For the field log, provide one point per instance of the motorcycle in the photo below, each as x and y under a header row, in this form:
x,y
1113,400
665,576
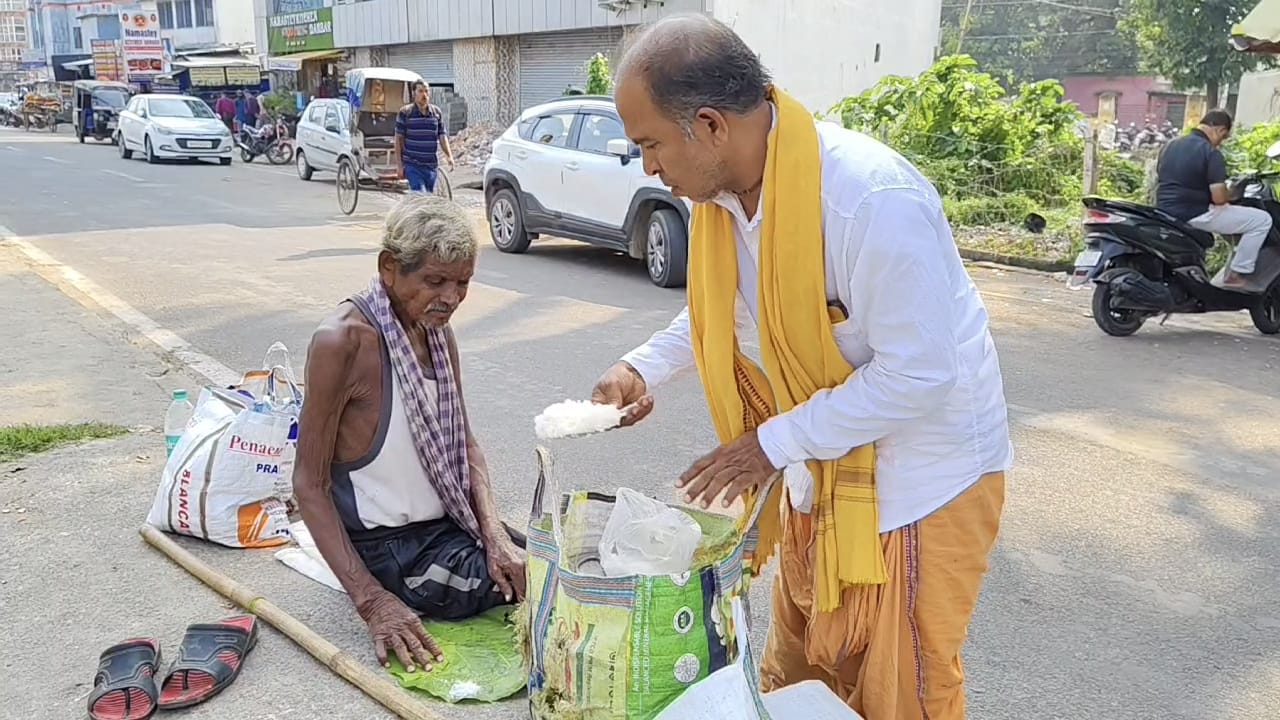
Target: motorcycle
x,y
1144,262
269,140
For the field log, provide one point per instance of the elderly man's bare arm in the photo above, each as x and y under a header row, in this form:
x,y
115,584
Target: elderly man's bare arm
x,y
506,562
331,361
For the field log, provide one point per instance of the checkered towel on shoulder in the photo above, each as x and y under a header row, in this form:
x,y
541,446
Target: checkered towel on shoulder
x,y
440,436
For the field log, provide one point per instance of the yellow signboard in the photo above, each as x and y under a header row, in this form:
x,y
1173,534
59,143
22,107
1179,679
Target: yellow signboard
x,y
207,76
243,75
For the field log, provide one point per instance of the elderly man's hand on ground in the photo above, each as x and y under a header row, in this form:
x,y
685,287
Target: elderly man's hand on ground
x,y
622,387
393,625
506,566
733,468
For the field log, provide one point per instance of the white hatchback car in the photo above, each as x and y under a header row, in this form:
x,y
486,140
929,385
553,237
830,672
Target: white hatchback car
x,y
163,126
323,136
566,168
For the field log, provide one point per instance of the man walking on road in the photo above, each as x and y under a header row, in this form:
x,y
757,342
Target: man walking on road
x,y
1192,177
420,136
880,401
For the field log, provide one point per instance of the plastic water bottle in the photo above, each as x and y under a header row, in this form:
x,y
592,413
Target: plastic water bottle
x,y
176,419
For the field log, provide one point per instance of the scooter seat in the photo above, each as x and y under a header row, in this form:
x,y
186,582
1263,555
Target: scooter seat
x,y
1206,240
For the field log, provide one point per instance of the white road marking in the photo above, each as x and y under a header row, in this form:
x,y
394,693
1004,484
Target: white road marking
x,y
126,176
50,158
11,147
89,293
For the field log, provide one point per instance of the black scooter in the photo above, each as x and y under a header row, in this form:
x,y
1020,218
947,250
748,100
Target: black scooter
x,y
1144,262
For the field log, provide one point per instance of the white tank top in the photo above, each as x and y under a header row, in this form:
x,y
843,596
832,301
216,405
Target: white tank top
x,y
393,489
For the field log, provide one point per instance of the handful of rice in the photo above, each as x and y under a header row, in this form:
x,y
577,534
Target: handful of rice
x,y
573,418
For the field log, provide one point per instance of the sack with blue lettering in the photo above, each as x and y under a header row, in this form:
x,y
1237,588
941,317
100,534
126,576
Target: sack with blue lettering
x,y
222,481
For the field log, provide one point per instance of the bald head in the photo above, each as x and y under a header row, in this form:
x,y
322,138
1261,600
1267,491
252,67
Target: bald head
x,y
692,61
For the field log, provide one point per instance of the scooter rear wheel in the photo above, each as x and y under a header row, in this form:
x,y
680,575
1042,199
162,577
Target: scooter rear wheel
x,y
1112,321
1266,314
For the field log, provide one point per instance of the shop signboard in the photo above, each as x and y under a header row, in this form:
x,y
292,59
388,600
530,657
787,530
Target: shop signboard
x,y
298,28
246,75
144,57
207,76
107,65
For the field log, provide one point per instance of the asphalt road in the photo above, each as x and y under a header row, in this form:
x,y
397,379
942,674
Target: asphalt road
x,y
1136,574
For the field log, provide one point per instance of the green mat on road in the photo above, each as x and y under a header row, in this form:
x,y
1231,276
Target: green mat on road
x,y
480,660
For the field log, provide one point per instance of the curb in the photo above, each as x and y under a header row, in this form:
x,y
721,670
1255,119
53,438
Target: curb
x,y
1030,263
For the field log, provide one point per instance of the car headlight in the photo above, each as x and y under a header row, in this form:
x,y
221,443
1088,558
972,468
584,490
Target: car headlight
x,y
162,130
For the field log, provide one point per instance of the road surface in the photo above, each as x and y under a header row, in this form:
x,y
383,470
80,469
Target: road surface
x,y
1135,577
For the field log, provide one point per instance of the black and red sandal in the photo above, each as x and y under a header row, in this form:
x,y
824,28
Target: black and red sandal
x,y
209,660
125,686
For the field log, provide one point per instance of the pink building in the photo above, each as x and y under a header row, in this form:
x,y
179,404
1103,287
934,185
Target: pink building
x,y
1137,99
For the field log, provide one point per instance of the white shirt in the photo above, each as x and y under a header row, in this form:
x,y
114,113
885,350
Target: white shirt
x,y
927,389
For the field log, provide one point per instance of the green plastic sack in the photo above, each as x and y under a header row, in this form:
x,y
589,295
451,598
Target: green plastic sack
x,y
615,648
480,660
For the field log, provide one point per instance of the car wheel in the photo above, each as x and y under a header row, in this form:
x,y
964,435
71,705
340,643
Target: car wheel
x,y
666,248
125,152
224,161
506,225
150,151
304,170
1266,314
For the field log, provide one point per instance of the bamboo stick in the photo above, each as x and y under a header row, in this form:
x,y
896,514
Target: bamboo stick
x,y
375,685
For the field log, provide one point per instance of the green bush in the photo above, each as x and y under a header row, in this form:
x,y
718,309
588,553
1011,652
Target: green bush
x,y
1247,149
971,137
599,75
997,210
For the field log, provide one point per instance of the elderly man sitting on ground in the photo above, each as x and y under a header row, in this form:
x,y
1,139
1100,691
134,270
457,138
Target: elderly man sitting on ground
x,y
389,478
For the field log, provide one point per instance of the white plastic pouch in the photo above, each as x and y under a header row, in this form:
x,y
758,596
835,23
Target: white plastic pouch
x,y
646,537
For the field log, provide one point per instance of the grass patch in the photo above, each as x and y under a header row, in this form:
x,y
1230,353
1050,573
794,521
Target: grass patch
x,y
19,440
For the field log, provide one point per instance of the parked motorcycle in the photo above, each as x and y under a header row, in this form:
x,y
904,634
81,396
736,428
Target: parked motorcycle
x,y
269,140
1144,262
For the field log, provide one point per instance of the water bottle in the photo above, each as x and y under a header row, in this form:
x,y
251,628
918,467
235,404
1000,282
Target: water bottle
x,y
176,419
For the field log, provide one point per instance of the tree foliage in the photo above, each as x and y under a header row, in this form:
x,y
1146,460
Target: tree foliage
x,y
599,75
1025,40
1187,41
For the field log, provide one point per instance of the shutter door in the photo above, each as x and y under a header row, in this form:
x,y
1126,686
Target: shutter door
x,y
550,62
432,60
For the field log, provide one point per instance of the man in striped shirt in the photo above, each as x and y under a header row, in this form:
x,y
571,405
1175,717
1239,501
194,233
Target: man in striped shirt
x,y
420,136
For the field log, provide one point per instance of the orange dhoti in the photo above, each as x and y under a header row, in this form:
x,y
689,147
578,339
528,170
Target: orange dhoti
x,y
891,651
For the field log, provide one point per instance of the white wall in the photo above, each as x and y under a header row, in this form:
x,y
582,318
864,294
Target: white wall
x,y
234,21
821,51
1259,99
191,37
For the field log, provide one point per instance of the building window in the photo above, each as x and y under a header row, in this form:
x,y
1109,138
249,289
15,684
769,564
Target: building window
x,y
77,41
165,9
204,13
13,5
182,14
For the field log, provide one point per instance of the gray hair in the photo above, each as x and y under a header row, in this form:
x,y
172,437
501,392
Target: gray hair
x,y
691,61
426,227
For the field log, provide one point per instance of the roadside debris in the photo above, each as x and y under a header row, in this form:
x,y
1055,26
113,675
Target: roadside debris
x,y
471,146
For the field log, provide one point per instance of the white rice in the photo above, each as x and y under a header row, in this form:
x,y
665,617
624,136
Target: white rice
x,y
575,417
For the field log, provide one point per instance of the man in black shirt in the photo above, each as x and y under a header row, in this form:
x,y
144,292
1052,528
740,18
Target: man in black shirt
x,y
1192,177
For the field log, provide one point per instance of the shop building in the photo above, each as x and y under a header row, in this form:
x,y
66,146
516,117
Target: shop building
x,y
494,58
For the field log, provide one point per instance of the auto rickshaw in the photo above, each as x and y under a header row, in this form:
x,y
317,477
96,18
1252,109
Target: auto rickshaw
x,y
95,107
367,155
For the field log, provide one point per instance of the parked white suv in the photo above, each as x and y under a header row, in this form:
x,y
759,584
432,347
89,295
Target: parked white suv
x,y
566,168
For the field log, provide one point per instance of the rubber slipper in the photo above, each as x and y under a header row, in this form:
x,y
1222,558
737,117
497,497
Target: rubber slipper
x,y
125,686
210,659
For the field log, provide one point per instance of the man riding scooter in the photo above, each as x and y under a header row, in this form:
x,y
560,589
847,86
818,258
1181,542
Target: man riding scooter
x,y
1192,176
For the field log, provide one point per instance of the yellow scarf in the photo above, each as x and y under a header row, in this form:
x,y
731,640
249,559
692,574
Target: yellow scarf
x,y
798,347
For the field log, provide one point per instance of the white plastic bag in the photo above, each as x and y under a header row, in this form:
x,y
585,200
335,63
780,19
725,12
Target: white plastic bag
x,y
220,483
646,537
732,692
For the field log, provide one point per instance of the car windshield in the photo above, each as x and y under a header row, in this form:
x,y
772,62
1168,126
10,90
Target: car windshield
x,y
113,98
179,108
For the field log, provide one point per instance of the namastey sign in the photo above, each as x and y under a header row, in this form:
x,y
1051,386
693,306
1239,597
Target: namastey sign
x,y
300,31
143,48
